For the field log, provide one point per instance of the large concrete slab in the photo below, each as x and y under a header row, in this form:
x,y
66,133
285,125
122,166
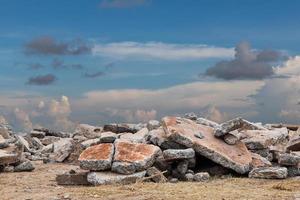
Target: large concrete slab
x,y
132,157
97,158
185,131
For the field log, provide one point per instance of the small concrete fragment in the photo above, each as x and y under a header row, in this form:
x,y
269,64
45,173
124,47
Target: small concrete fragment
x,y
191,116
37,134
89,143
25,166
287,159
259,161
201,176
88,131
207,122
294,144
189,177
138,137
108,137
133,156
78,177
97,158
7,158
49,140
262,139
62,149
153,124
104,178
156,175
24,143
176,154
118,128
269,173
234,124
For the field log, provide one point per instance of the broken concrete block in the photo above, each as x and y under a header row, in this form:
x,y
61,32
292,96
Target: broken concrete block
x,y
25,166
189,177
159,138
138,137
234,124
3,142
156,175
108,137
49,140
262,139
201,176
7,158
191,116
259,161
182,167
269,173
183,131
118,128
231,139
102,178
62,149
153,124
175,154
88,131
293,171
89,143
47,149
288,159
97,158
37,134
293,144
135,156
78,177
207,122
24,143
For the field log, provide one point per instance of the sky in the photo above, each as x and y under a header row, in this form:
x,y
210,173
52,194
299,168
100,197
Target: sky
x,y
102,61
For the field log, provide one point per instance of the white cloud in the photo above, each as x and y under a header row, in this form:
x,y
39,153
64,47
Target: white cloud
x,y
290,68
23,121
141,105
159,50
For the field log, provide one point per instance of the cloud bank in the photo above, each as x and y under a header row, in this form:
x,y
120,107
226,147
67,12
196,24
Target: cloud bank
x,y
49,46
162,51
247,64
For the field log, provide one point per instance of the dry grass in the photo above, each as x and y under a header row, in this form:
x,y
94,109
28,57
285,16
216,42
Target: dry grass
x,y
40,184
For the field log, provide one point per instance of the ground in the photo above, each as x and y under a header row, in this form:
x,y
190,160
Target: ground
x,y
40,184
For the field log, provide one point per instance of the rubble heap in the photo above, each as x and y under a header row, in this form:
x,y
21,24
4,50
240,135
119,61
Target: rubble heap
x,y
185,149
174,149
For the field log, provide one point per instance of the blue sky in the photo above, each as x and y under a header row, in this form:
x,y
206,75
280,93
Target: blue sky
x,y
56,56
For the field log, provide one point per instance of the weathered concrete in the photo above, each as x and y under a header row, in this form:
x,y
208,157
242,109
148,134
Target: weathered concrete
x,y
102,178
108,137
132,157
183,131
62,149
78,177
97,158
176,154
269,173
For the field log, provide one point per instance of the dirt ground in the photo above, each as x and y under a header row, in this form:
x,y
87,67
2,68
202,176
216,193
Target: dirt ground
x,y
40,184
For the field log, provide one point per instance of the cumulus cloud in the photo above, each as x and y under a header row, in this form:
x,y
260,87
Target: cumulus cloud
x,y
132,115
247,64
48,113
42,79
22,120
122,3
2,120
49,46
214,114
133,104
159,50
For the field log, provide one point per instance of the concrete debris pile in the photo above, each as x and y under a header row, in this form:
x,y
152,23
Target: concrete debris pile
x,y
12,158
184,149
174,149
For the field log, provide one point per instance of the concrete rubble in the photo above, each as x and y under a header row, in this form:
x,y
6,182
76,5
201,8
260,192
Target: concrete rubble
x,y
188,148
